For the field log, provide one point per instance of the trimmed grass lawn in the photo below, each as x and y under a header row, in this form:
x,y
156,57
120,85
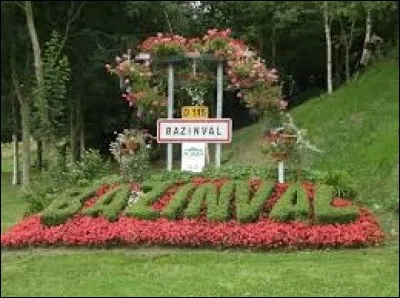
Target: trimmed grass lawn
x,y
369,272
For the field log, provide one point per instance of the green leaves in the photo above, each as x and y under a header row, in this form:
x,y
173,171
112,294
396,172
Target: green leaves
x,y
50,98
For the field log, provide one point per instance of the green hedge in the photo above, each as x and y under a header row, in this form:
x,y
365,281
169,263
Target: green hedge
x,y
218,209
65,207
142,208
111,203
327,214
178,203
248,210
205,192
292,205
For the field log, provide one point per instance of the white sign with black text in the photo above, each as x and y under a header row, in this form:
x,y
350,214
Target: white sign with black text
x,y
193,157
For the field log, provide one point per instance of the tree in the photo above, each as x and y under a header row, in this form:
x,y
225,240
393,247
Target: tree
x,y
348,13
371,9
327,27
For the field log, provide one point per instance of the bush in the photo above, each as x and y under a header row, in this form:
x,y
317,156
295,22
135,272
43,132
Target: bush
x,y
136,167
204,193
65,207
248,210
292,205
178,203
142,209
342,182
325,213
173,175
55,181
218,209
110,204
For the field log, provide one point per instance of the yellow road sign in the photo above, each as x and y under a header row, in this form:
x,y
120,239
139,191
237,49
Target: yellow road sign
x,y
194,112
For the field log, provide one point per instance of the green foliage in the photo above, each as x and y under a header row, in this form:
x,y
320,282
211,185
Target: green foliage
x,y
292,205
110,204
218,208
88,172
178,203
66,206
239,172
325,213
91,167
248,209
204,193
136,167
342,182
174,175
50,96
142,208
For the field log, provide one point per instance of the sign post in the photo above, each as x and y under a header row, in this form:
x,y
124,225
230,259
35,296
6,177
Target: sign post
x,y
193,156
280,172
170,111
219,110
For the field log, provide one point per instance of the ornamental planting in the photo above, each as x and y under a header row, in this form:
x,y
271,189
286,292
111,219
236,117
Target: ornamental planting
x,y
200,213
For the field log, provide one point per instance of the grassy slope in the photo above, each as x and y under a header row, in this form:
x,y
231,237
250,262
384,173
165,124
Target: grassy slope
x,y
367,272
357,129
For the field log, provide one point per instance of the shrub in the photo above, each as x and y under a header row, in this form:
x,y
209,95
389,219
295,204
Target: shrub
x,y
327,214
218,209
342,182
136,167
65,207
110,204
248,210
204,193
292,205
55,181
178,203
142,209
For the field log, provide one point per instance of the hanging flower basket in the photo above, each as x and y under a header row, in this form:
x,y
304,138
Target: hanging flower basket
x,y
279,156
124,151
287,138
132,145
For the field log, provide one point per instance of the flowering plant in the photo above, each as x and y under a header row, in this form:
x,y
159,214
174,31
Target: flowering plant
x,y
164,45
196,93
131,150
244,69
129,142
287,139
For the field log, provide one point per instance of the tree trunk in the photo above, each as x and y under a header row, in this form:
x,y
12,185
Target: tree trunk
x,y
81,127
26,143
39,154
15,179
25,123
273,46
328,47
338,77
15,159
73,130
35,42
368,28
347,62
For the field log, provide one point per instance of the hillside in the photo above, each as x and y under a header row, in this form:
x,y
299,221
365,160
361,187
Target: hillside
x,y
356,127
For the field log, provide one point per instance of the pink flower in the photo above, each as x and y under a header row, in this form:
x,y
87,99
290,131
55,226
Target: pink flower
x,y
283,104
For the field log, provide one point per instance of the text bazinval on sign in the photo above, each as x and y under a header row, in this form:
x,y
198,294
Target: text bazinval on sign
x,y
194,130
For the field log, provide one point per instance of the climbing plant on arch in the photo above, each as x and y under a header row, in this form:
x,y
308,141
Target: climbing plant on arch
x,y
144,84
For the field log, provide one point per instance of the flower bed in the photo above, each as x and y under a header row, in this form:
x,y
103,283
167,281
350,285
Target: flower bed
x,y
264,233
